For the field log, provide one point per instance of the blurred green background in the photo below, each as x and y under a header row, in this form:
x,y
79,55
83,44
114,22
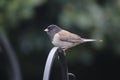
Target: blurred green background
x,y
23,22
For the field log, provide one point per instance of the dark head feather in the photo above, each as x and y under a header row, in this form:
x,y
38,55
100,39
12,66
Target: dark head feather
x,y
52,30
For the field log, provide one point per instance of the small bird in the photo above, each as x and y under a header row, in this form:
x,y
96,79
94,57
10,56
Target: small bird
x,y
63,38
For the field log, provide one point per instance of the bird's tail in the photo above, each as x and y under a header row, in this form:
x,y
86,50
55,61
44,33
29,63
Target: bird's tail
x,y
91,40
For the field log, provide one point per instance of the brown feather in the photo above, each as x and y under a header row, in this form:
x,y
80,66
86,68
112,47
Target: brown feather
x,y
69,37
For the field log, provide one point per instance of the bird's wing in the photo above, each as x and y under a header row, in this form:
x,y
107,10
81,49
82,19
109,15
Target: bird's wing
x,y
69,37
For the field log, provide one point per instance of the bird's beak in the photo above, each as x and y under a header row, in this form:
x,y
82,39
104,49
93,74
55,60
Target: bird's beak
x,y
46,30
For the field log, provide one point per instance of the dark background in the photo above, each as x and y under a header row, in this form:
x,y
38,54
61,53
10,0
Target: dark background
x,y
23,22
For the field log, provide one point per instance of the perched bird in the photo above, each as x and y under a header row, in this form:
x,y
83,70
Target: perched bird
x,y
64,39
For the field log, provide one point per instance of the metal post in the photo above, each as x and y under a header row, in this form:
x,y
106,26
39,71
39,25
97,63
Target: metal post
x,y
56,52
13,62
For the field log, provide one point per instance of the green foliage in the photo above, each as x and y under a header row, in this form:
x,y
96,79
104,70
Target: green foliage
x,y
14,10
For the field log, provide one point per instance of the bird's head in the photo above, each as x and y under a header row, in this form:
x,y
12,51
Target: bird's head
x,y
52,30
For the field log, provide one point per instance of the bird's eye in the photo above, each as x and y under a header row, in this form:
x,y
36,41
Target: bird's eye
x,y
50,28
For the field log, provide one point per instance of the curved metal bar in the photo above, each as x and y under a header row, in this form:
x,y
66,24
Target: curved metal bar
x,y
15,70
49,63
57,52
72,75
63,64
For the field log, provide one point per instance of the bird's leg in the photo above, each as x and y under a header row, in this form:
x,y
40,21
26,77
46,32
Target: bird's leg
x,y
61,51
64,49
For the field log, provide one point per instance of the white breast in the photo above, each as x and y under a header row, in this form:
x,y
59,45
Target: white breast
x,y
57,42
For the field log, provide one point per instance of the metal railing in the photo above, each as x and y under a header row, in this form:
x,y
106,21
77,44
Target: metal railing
x,y
57,52
15,73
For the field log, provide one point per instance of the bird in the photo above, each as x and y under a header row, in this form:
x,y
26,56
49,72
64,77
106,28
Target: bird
x,y
64,39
